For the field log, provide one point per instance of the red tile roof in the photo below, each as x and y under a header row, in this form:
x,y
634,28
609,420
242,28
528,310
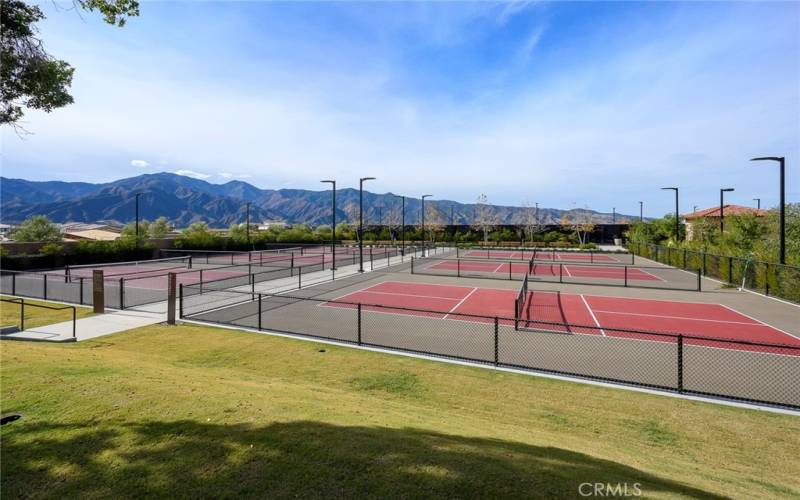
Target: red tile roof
x,y
729,210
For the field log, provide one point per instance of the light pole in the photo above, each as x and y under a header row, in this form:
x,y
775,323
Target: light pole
x,y
138,195
614,215
247,222
641,211
694,209
758,203
722,208
403,226
333,228
677,215
361,222
424,252
782,161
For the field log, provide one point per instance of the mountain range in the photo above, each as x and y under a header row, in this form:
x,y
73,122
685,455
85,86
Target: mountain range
x,y
183,200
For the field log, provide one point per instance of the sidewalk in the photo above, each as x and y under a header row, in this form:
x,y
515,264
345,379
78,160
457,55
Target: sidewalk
x,y
89,328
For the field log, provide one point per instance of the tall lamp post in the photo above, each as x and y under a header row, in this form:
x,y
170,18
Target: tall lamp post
x,y
677,214
782,162
333,228
641,211
424,250
403,225
247,222
614,215
361,222
758,203
722,208
138,195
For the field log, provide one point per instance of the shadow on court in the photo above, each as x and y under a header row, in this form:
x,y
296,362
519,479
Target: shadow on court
x,y
298,459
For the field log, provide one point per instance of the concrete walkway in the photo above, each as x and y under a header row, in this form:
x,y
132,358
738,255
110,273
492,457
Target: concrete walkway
x,y
89,328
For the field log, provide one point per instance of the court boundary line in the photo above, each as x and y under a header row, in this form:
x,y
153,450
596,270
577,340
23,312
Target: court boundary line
x,y
593,316
760,322
474,289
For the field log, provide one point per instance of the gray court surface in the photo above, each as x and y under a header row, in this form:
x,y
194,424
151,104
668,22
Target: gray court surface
x,y
767,375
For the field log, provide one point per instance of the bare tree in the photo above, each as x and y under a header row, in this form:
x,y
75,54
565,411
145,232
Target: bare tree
x,y
530,219
485,217
434,221
393,218
583,224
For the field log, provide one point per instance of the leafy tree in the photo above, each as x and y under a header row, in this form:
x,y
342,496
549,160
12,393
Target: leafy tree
x,y
37,229
29,76
198,235
159,228
129,230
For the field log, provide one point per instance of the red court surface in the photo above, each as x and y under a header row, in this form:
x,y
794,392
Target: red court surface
x,y
566,256
594,314
569,270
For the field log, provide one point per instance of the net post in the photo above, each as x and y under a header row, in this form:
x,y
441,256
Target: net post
x,y
412,264
190,264
458,267
516,314
680,363
626,275
561,272
699,280
359,323
591,256
509,270
496,341
291,259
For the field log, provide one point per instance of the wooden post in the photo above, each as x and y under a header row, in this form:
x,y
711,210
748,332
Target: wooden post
x,y
98,292
171,293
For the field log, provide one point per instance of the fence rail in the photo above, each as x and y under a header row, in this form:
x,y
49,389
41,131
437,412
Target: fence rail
x,y
746,371
769,278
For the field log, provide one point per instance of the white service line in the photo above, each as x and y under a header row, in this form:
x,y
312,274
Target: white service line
x,y
460,302
684,317
592,313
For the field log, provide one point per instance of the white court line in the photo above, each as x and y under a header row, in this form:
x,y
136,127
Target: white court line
x,y
593,316
651,274
566,268
497,269
761,322
407,295
683,317
460,302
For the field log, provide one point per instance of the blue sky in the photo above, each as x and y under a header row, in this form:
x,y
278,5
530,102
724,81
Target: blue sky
x,y
565,104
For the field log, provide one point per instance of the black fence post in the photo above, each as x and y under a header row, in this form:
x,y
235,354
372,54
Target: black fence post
x,y
359,323
80,290
704,263
766,278
412,264
45,285
180,300
22,314
509,269
74,320
684,258
300,277
591,256
121,294
699,280
14,284
626,275
458,267
496,341
560,272
680,363
730,269
252,287
259,311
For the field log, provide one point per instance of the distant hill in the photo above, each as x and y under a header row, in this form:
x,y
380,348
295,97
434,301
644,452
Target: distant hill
x,y
184,200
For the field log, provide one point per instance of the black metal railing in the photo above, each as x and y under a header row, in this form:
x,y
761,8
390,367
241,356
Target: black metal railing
x,y
23,305
769,278
690,364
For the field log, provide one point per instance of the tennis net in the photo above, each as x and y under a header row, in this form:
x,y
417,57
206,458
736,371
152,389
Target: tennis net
x,y
519,303
126,268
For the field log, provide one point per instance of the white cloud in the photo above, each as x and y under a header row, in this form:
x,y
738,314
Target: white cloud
x,y
193,174
228,175
139,163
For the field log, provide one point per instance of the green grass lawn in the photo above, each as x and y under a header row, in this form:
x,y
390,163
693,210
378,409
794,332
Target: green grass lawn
x,y
202,412
37,316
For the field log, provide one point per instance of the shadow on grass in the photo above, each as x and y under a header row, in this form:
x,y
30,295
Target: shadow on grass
x,y
297,459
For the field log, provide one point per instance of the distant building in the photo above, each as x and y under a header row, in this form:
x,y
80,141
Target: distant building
x,y
76,231
273,224
5,231
712,214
